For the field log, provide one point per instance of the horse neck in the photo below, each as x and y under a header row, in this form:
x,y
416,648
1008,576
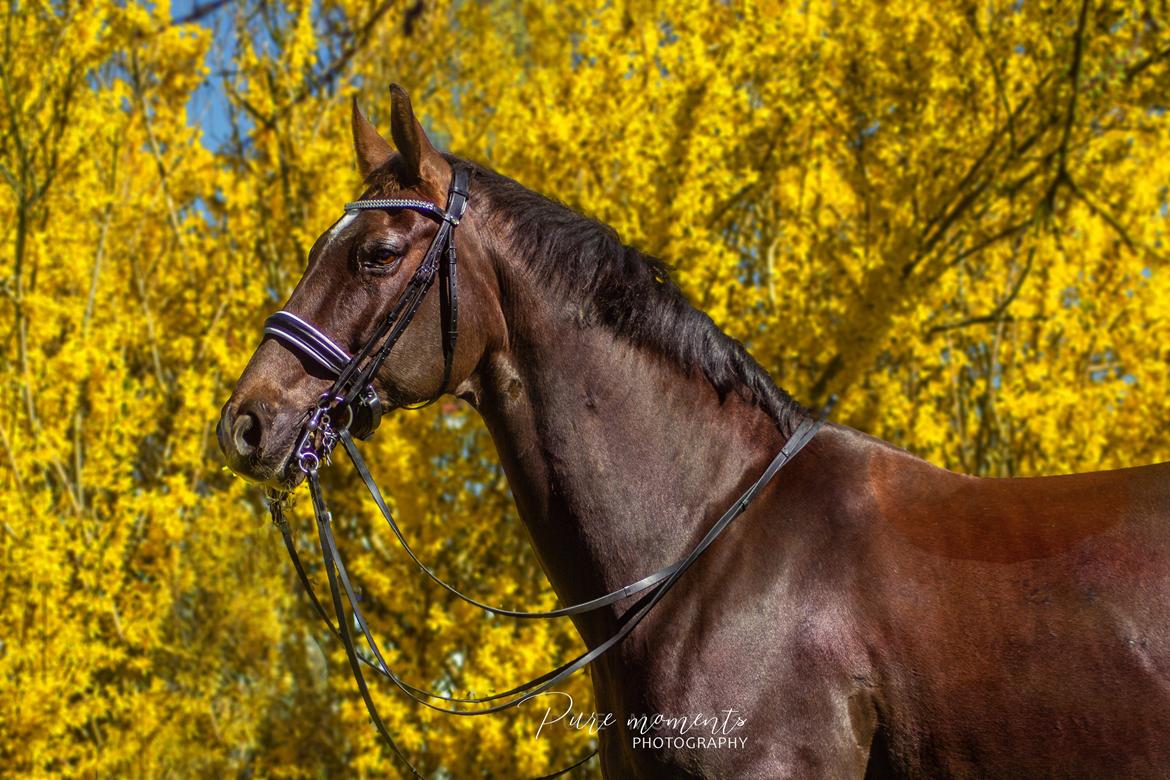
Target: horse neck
x,y
617,457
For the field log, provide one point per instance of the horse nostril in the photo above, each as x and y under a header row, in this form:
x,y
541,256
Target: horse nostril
x,y
247,432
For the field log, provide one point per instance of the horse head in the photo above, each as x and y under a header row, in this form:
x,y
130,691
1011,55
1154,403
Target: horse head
x,y
358,271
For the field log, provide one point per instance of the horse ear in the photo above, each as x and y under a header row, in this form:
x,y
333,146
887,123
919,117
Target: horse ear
x,y
422,160
372,149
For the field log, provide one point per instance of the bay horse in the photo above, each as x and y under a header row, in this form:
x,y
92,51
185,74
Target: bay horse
x,y
870,615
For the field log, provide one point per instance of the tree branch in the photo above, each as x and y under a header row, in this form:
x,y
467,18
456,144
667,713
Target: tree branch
x,y
199,11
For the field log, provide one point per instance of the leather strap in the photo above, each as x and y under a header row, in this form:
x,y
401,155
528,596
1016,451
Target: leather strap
x,y
339,581
323,520
290,545
448,313
363,471
330,558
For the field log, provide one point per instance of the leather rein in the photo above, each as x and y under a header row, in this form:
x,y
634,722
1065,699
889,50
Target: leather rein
x,y
351,409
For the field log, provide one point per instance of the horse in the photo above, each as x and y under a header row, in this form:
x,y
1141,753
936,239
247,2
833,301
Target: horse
x,y
869,615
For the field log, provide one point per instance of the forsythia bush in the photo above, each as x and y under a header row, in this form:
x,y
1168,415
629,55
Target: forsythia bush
x,y
954,215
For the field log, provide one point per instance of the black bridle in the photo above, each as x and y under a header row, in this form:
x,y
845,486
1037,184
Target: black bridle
x,y
352,392
352,397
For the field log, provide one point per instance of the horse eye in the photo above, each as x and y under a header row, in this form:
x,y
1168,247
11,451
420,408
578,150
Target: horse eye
x,y
379,254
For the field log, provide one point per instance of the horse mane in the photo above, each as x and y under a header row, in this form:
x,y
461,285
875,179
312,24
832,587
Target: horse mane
x,y
622,288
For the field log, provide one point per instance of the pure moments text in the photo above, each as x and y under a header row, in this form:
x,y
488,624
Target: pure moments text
x,y
653,731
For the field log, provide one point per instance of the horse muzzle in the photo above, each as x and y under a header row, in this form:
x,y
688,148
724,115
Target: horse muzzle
x,y
257,441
